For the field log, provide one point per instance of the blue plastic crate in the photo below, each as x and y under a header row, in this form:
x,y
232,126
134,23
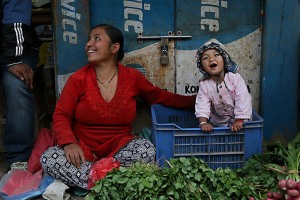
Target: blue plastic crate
x,y
176,134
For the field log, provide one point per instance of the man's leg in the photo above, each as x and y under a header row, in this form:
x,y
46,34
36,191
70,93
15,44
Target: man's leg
x,y
19,113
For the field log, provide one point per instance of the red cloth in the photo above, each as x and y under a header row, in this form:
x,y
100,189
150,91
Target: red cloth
x,y
81,113
44,140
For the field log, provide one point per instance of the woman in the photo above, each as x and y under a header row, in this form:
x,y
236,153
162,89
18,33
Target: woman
x,y
94,114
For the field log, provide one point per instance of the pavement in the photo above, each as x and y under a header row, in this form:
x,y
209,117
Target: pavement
x,y
3,165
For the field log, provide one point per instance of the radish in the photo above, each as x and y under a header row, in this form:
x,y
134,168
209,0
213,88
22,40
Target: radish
x,y
282,184
270,194
298,186
288,197
291,155
291,184
251,198
296,198
292,192
277,195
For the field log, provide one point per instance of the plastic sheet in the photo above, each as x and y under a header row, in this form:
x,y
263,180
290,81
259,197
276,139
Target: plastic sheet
x,y
45,182
21,181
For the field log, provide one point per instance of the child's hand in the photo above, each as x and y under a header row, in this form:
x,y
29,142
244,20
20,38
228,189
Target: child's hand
x,y
236,126
206,127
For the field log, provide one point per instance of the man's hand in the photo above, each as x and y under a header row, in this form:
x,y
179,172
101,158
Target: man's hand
x,y
23,72
74,154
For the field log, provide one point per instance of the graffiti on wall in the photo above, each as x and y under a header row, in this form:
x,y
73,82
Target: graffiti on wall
x,y
211,6
133,14
68,22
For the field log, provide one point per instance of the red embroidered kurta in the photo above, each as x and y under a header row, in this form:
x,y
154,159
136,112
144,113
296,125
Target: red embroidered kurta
x,y
81,114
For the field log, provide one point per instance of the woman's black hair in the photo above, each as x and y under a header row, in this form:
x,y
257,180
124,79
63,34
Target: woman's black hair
x,y
115,35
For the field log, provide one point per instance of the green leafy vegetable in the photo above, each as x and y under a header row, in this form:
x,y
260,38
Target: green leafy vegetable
x,y
185,178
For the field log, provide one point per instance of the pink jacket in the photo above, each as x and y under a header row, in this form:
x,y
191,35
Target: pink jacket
x,y
231,102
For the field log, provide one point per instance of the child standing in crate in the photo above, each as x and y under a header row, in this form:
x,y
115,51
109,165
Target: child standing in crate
x,y
223,98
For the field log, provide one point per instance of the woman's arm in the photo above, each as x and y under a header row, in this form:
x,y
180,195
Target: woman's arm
x,y
64,112
155,95
62,122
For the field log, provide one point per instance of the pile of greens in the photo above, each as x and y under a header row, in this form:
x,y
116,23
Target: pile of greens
x,y
185,178
192,178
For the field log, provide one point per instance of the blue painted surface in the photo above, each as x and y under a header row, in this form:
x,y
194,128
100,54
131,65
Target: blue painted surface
x,y
236,19
233,20
280,68
150,17
71,27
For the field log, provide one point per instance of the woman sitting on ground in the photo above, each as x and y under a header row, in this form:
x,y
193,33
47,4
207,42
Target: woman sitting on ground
x,y
94,115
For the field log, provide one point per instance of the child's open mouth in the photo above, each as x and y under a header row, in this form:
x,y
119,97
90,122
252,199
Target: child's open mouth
x,y
212,65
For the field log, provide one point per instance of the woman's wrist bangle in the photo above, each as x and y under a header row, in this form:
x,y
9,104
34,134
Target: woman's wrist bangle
x,y
239,120
201,123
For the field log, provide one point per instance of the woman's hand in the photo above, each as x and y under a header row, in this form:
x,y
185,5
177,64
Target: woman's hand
x,y
74,154
236,126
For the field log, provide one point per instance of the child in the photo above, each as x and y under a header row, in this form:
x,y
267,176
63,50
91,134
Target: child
x,y
223,98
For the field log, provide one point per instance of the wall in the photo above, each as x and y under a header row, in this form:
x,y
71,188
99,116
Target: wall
x,y
272,78
280,69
